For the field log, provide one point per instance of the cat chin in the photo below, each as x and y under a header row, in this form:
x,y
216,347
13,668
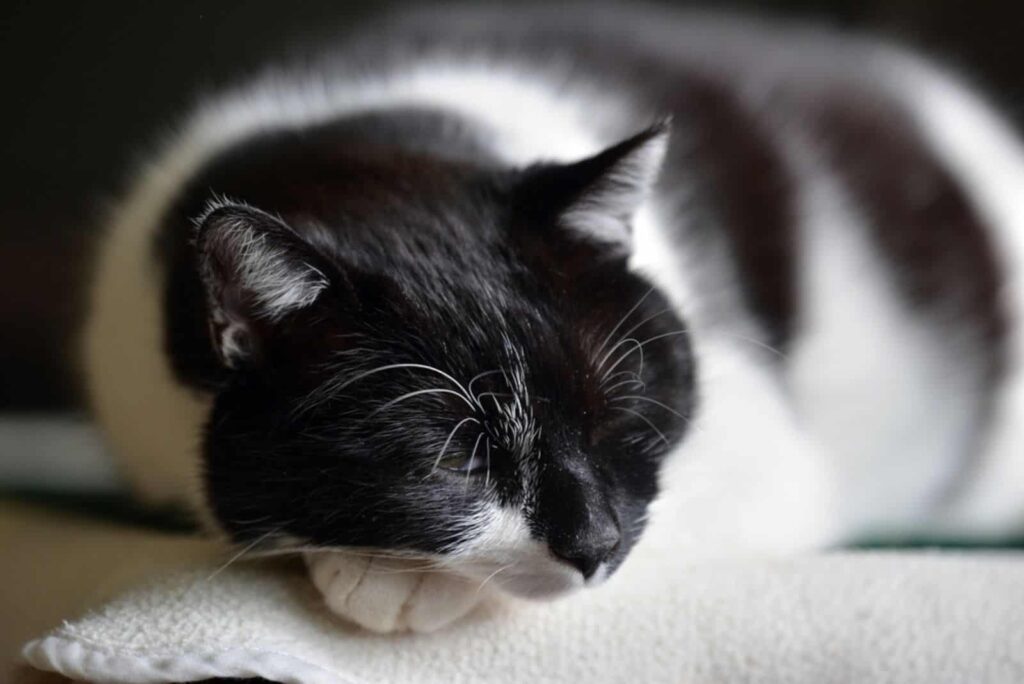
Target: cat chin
x,y
541,586
549,582
537,579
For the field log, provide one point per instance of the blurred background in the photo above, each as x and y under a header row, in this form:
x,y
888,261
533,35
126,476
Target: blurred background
x,y
88,85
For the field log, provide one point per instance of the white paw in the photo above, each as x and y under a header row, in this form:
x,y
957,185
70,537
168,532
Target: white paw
x,y
390,595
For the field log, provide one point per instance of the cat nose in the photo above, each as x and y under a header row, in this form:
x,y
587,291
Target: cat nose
x,y
588,549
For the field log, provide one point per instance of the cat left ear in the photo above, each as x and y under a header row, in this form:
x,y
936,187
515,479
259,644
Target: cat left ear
x,y
256,271
596,198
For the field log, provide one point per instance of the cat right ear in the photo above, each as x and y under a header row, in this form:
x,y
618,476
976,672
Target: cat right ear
x,y
256,272
596,198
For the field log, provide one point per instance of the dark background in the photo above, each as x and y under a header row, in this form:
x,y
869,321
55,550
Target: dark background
x,y
88,85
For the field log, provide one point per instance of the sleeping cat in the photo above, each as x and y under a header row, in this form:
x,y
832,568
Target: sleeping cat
x,y
457,304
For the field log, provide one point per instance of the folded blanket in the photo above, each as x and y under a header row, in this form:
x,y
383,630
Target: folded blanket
x,y
844,617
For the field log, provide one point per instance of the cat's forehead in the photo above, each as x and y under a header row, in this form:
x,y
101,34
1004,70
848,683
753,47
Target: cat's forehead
x,y
512,412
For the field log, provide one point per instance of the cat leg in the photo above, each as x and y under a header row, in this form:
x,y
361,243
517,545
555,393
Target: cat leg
x,y
390,594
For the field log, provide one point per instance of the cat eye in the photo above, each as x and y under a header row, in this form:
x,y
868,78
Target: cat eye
x,y
473,463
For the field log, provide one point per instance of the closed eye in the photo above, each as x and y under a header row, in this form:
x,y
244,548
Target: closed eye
x,y
476,462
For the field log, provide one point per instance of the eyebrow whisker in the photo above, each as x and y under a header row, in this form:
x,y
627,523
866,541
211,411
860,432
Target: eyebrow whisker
x,y
449,440
409,395
623,320
637,397
646,420
333,387
472,456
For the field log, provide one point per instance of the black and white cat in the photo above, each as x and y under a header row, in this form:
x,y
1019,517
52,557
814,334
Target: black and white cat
x,y
458,302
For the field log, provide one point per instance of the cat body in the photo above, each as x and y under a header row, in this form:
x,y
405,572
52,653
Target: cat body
x,y
774,272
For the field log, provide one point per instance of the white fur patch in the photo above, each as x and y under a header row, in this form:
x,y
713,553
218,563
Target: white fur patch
x,y
987,157
875,383
505,553
747,478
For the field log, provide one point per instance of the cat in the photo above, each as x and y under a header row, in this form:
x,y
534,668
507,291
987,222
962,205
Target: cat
x,y
469,299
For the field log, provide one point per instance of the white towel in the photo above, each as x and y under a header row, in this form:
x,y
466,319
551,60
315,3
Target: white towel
x,y
844,617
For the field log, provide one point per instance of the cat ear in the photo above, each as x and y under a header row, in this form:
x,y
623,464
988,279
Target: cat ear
x,y
596,198
256,271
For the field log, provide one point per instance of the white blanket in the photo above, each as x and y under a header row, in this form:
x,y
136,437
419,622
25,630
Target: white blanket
x,y
850,617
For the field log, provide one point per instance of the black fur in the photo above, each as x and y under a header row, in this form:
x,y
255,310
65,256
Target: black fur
x,y
920,217
442,260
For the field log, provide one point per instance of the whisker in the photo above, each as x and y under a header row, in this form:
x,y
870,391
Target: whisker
x,y
646,320
419,562
756,343
393,366
641,345
604,359
652,401
471,457
494,397
364,552
448,441
623,320
492,576
478,376
644,418
684,331
425,567
246,549
627,381
629,332
636,347
623,372
409,395
487,477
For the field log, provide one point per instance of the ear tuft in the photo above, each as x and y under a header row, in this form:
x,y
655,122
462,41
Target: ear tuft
x,y
256,271
596,198
629,171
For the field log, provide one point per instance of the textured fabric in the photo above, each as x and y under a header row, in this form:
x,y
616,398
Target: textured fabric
x,y
859,617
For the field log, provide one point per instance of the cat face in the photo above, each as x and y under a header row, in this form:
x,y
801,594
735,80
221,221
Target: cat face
x,y
460,368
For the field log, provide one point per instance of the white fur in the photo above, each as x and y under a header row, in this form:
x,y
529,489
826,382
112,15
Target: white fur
x,y
504,552
747,478
988,159
874,381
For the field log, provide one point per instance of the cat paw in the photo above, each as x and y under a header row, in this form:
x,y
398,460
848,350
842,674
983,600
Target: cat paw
x,y
390,595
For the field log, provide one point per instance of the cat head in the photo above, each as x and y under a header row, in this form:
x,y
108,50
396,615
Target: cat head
x,y
443,359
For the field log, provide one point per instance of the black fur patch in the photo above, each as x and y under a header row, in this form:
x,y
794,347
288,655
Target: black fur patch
x,y
938,246
742,194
